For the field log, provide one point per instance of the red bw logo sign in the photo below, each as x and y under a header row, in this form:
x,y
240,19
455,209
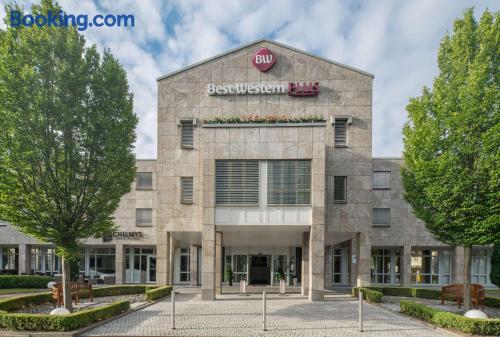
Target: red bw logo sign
x,y
263,59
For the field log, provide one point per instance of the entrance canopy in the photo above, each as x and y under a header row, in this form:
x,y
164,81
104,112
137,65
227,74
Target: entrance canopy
x,y
262,235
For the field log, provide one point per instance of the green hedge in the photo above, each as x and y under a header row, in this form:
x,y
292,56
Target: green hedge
x,y
450,320
154,294
372,296
121,290
44,322
24,281
25,301
493,302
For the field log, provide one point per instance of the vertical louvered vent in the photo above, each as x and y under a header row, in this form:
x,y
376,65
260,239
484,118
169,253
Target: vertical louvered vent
x,y
187,129
187,190
289,182
382,179
144,217
237,182
340,136
144,180
382,216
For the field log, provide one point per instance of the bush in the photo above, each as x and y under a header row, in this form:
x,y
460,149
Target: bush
x,y
24,281
43,322
154,294
450,320
495,265
492,302
426,293
394,291
120,290
372,296
25,301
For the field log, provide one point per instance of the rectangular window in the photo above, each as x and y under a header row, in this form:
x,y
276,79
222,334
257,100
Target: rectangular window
x,y
340,189
186,190
187,129
144,180
340,132
480,268
381,216
144,217
289,182
381,179
385,266
184,268
430,266
236,182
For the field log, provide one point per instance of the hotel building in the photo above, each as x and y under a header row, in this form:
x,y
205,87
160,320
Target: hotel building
x,y
264,164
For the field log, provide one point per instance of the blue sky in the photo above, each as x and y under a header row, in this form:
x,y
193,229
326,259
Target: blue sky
x,y
395,40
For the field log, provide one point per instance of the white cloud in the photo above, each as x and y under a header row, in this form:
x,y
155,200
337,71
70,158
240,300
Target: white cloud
x,y
397,41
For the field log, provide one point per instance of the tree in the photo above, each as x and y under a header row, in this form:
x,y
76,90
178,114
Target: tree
x,y
495,265
68,129
452,141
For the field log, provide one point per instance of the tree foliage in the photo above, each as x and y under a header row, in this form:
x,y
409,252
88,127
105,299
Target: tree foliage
x,y
67,134
452,138
495,265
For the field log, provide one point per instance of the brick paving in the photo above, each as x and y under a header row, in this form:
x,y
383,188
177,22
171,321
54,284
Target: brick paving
x,y
288,316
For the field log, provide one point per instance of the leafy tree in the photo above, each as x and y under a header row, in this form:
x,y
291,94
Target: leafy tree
x,y
68,129
495,265
452,140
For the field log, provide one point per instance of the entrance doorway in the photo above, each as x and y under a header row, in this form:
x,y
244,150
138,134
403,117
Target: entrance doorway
x,y
260,269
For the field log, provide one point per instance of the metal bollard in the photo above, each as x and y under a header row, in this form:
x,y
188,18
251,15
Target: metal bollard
x,y
173,310
264,310
360,296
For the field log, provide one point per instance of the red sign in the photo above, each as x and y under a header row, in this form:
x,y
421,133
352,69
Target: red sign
x,y
304,89
263,59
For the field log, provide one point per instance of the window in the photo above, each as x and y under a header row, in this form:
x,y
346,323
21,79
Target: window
x,y
289,182
340,132
186,190
382,216
240,268
144,217
144,181
480,268
340,189
185,271
385,266
187,128
339,261
10,260
430,266
381,179
236,182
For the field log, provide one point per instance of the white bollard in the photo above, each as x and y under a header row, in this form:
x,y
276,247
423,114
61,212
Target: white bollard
x,y
264,310
360,296
242,287
282,287
173,310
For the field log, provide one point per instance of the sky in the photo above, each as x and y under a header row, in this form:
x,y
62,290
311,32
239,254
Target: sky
x,y
397,41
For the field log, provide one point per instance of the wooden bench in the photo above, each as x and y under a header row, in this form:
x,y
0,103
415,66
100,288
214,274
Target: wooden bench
x,y
457,292
77,289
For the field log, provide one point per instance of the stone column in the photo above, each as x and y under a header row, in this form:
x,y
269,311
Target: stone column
x,y
193,264
208,263
119,261
24,259
305,265
353,262
317,262
458,264
163,258
174,244
405,266
364,259
218,263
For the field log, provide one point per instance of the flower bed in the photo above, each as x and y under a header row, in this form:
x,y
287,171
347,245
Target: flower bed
x,y
257,119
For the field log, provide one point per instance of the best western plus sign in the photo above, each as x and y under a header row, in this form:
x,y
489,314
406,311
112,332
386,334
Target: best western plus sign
x,y
263,59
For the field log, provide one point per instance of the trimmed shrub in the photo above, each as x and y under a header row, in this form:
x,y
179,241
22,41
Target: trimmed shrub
x,y
120,290
370,295
25,301
394,291
426,293
492,302
450,320
24,281
157,293
43,322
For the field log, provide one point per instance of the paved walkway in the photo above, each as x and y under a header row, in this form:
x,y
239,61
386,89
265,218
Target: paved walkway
x,y
288,316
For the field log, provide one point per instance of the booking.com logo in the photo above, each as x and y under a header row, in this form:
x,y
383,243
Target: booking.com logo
x,y
61,19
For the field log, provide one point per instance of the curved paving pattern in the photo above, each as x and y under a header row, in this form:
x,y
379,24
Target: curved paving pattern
x,y
287,316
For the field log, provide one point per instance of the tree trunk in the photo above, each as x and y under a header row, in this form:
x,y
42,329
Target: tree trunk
x,y
66,284
467,266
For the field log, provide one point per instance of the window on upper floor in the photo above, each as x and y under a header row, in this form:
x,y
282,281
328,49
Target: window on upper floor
x,y
187,130
236,182
340,132
381,216
289,182
144,217
144,181
340,189
381,179
186,190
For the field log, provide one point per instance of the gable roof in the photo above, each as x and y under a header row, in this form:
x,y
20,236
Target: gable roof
x,y
259,41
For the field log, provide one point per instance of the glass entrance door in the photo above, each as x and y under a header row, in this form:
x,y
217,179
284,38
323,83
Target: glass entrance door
x,y
151,269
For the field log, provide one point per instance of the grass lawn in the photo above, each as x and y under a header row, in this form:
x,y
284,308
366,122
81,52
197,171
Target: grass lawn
x,y
6,291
